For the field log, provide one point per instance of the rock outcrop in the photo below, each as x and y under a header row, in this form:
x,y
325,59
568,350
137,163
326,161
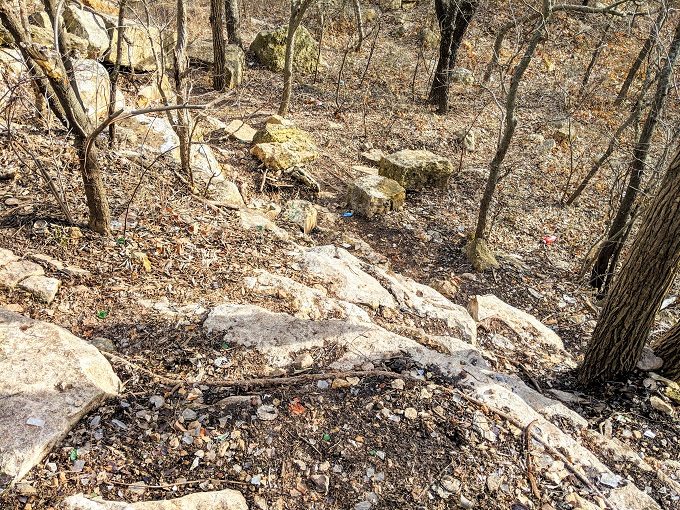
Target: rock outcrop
x,y
49,379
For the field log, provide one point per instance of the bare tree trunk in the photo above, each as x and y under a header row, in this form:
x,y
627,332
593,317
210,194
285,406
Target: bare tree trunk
x,y
593,60
668,349
217,25
642,55
115,73
297,11
183,125
55,66
477,250
453,16
602,159
233,22
631,306
603,269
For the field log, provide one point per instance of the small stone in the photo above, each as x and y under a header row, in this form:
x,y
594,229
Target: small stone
x,y
450,484
410,413
649,361
363,505
397,384
103,344
353,381
260,502
465,502
322,385
157,401
373,155
462,75
320,482
610,480
339,383
304,361
189,414
661,405
267,412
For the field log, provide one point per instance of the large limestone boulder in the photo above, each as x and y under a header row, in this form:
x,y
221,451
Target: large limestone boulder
x,y
49,379
201,52
44,36
94,87
417,169
269,47
227,499
91,27
283,146
140,43
373,194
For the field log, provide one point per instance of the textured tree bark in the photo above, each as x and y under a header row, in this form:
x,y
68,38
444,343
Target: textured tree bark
x,y
233,22
453,17
297,11
217,25
56,70
603,270
115,73
668,349
635,297
642,55
182,127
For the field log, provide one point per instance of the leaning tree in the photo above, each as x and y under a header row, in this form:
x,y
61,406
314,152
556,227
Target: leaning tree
x,y
57,69
608,256
636,295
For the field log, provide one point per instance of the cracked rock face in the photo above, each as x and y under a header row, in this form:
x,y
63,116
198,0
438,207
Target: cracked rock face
x,y
49,379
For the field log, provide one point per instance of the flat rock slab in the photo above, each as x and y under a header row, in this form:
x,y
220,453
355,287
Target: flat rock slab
x,y
489,307
49,379
6,256
417,169
240,131
42,287
217,500
14,272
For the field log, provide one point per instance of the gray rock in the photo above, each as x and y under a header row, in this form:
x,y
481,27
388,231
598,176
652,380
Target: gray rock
x,y
217,500
140,45
462,75
240,131
649,361
371,195
103,344
49,379
267,412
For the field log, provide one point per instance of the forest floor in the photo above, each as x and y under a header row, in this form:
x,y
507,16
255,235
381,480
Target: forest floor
x,y
334,447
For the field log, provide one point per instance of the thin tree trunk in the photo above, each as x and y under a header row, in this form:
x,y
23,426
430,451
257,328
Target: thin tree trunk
x,y
115,73
642,55
360,24
631,306
603,269
454,18
602,159
233,22
508,131
217,25
56,69
100,216
668,349
181,65
593,60
297,11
